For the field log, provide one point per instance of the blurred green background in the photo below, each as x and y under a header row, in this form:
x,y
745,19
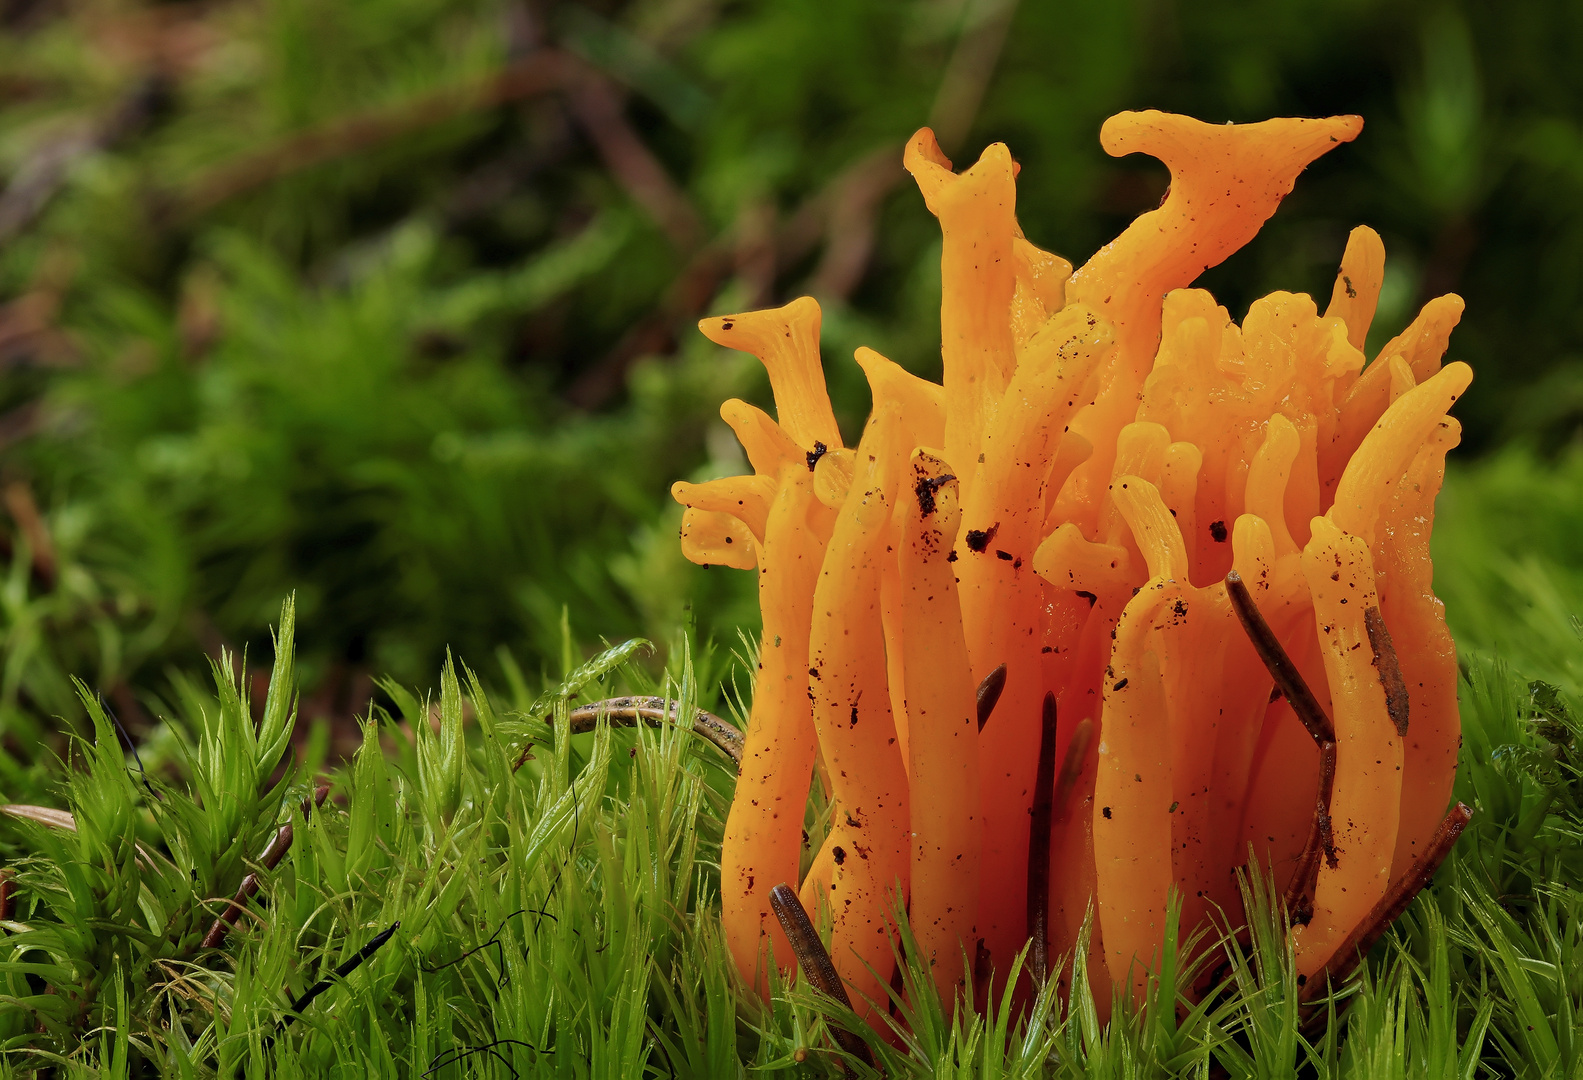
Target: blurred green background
x,y
390,303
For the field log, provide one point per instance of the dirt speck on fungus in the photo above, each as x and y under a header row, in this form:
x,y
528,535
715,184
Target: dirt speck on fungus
x,y
978,539
925,489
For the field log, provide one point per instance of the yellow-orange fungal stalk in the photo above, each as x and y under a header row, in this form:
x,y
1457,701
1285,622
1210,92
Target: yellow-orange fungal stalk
x,y
1356,293
778,752
1040,290
1226,181
1001,597
977,212
788,529
852,715
943,734
1420,346
1133,793
786,341
717,538
921,415
1423,644
766,445
1243,706
1268,475
1106,444
1365,809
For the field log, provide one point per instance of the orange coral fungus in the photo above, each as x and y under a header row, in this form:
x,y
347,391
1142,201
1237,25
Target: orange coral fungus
x,y
1190,556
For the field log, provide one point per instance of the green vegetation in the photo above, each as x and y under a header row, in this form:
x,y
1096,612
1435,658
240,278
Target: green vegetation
x,y
556,919
1508,564
386,305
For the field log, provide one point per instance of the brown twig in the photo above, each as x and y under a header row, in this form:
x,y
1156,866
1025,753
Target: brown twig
x,y
816,965
1299,895
23,508
7,895
1300,890
1390,907
1389,667
274,851
1280,665
657,712
989,692
1039,848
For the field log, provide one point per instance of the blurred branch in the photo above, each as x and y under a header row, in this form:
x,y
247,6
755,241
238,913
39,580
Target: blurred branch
x,y
842,213
599,108
47,169
754,251
487,186
28,333
18,424
855,201
968,72
39,177
691,290
28,329
852,207
593,99
349,135
20,504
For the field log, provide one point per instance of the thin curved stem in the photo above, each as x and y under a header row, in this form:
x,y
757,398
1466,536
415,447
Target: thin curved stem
x,y
656,712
